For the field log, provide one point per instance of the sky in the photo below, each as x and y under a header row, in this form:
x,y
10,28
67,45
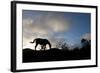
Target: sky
x,y
55,26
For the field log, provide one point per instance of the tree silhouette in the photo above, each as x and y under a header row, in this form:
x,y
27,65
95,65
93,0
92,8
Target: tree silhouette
x,y
85,43
62,44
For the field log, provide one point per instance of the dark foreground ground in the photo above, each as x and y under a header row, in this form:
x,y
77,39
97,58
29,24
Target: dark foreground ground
x,y
55,55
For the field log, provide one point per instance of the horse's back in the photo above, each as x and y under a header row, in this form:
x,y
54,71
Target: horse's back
x,y
41,41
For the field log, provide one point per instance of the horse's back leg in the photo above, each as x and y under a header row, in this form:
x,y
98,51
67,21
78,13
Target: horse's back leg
x,y
41,47
36,46
44,47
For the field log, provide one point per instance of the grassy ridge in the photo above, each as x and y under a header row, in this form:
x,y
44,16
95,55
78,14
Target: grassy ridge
x,y
55,54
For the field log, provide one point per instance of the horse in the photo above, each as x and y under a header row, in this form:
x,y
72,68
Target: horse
x,y
42,42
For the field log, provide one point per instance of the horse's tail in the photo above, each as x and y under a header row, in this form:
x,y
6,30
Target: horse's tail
x,y
33,41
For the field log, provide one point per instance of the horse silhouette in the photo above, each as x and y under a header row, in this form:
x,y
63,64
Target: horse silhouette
x,y
42,42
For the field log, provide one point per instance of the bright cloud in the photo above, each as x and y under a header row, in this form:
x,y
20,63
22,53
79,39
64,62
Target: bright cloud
x,y
43,25
87,36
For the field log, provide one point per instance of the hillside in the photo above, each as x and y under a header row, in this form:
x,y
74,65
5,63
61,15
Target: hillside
x,y
55,54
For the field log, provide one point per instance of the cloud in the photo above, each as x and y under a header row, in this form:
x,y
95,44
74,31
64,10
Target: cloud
x,y
57,22
43,25
87,36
